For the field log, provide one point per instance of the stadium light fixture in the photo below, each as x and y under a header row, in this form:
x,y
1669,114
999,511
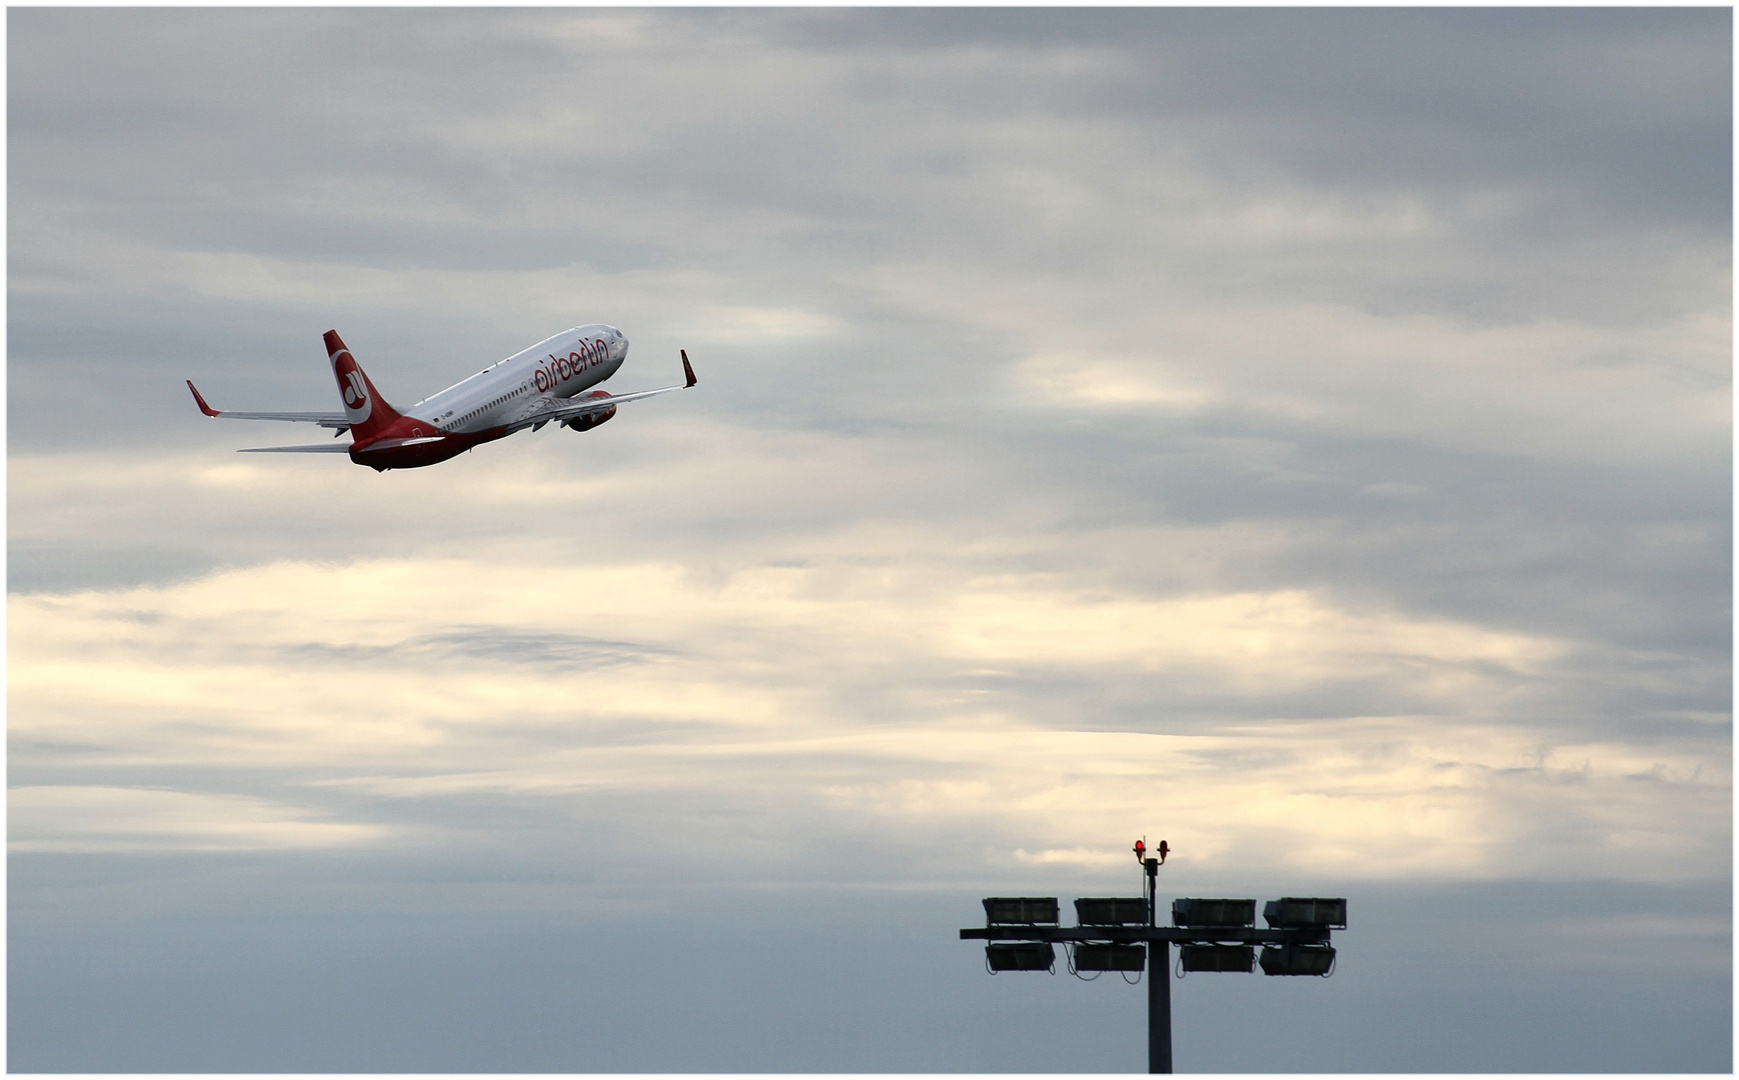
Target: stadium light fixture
x,y
1297,912
1099,957
1298,960
1111,910
1238,958
1190,911
1020,910
1021,956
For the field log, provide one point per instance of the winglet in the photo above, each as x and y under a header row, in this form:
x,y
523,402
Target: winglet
x,y
686,370
203,407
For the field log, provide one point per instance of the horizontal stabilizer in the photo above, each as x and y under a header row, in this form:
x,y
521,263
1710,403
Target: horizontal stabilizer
x,y
317,448
324,419
394,444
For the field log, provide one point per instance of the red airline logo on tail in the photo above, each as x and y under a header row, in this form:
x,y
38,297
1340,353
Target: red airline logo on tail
x,y
355,395
351,385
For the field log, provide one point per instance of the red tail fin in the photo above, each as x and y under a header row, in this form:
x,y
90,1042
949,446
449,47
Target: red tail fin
x,y
367,411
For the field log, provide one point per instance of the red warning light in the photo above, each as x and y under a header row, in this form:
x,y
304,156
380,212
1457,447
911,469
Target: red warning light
x,y
1140,849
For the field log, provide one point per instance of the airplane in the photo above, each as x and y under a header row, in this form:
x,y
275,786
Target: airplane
x,y
547,382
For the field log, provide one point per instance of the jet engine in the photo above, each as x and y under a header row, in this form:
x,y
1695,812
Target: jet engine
x,y
592,420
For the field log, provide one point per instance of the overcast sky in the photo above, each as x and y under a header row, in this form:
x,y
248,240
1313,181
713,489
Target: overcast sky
x,y
1305,436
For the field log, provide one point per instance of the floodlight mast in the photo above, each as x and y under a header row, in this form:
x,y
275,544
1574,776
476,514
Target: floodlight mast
x,y
1214,935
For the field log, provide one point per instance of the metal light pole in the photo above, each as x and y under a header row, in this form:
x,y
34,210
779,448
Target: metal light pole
x,y
1212,935
1158,970
1159,1006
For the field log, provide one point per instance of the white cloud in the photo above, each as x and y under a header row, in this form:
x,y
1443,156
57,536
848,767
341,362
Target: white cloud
x,y
88,818
1653,393
440,672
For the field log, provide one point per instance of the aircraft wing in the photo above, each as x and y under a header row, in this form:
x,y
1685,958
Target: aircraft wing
x,y
324,419
545,409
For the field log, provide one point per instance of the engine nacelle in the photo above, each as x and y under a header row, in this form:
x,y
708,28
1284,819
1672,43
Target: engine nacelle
x,y
592,420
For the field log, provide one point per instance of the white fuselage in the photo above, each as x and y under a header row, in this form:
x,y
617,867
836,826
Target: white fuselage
x,y
564,365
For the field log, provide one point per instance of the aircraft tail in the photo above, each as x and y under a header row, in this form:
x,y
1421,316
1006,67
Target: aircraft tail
x,y
367,411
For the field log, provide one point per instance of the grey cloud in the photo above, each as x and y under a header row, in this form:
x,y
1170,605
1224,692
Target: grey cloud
x,y
1627,102
781,161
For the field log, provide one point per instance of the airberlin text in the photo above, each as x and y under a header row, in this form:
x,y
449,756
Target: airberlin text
x,y
559,369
